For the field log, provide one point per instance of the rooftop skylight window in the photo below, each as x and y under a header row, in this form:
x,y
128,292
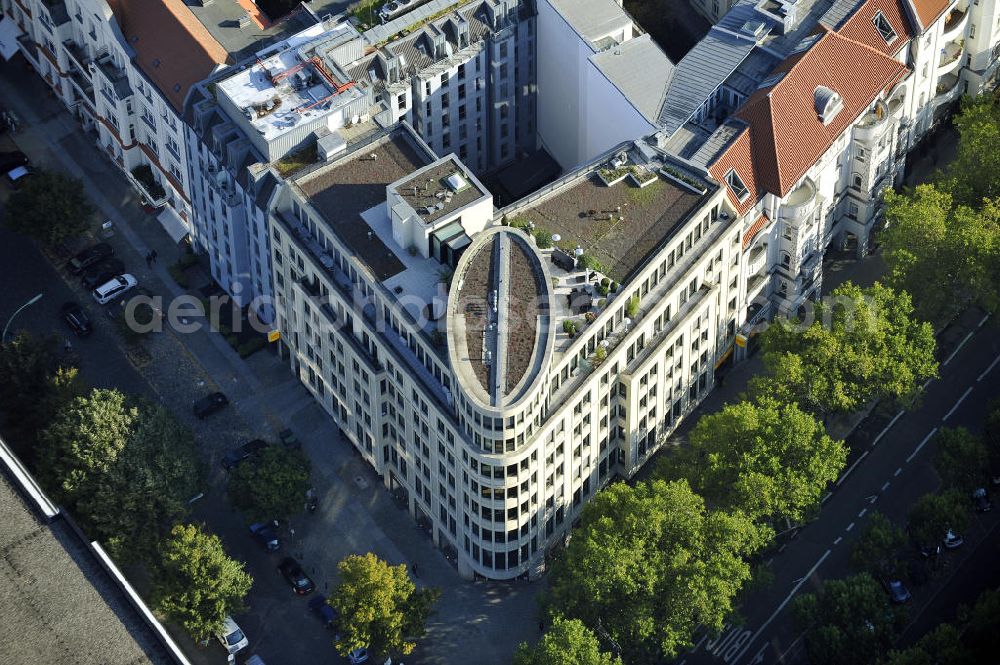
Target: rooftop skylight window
x,y
884,28
736,184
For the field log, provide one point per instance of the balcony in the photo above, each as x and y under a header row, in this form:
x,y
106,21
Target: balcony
x,y
115,76
77,57
758,259
951,57
799,203
756,284
947,88
954,24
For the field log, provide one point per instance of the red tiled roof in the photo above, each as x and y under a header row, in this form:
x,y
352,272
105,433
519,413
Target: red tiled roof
x,y
172,48
861,26
787,136
738,157
754,229
930,10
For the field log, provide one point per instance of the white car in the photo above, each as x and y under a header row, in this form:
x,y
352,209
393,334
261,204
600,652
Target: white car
x,y
108,291
231,637
952,540
15,175
358,656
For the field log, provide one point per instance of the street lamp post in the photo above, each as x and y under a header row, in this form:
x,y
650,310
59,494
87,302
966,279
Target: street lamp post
x,y
3,338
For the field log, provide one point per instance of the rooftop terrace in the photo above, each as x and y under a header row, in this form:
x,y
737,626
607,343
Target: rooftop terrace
x,y
345,189
439,189
617,225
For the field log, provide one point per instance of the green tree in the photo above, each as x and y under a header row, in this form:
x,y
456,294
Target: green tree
x,y
991,436
766,459
79,448
50,207
147,489
942,645
933,514
271,484
196,583
962,459
566,642
847,621
379,607
650,563
863,344
33,387
981,625
876,547
944,255
975,173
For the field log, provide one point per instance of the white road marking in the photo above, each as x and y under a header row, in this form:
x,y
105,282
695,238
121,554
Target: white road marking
x,y
851,468
889,426
837,541
862,513
787,599
988,369
873,499
826,496
958,348
885,486
898,471
983,321
960,400
926,383
921,445
849,526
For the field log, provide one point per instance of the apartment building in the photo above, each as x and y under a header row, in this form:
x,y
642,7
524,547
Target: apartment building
x,y
124,69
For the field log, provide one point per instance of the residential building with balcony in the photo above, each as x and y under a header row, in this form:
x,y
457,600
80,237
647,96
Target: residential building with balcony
x,y
124,68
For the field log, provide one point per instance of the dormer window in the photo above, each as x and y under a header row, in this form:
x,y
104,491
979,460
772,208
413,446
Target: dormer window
x,y
884,28
827,104
736,184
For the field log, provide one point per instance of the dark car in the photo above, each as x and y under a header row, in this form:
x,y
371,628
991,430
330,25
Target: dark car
x,y
319,607
89,257
101,273
77,319
899,593
982,501
265,535
11,160
209,404
288,438
296,577
237,455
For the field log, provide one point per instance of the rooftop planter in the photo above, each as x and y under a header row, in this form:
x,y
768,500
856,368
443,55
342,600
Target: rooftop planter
x,y
641,176
612,176
683,180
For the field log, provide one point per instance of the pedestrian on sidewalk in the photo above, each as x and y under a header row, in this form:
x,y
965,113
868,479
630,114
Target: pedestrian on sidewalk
x,y
149,259
152,254
413,567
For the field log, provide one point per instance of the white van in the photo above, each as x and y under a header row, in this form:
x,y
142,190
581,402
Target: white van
x,y
108,291
232,637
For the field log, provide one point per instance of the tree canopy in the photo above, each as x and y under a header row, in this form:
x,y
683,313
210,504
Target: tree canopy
x,y
974,174
991,436
962,459
271,484
847,621
566,642
650,563
197,584
945,255
876,547
764,458
379,607
933,514
50,207
863,344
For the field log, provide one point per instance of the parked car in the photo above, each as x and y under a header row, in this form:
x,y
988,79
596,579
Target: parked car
x,y
11,160
17,175
982,500
245,450
209,404
358,656
102,272
231,637
319,607
265,535
897,591
288,438
952,540
292,572
88,257
77,319
113,288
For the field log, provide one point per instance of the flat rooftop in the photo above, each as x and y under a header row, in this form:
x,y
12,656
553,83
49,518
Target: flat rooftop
x,y
58,603
222,20
439,189
586,214
345,189
280,91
